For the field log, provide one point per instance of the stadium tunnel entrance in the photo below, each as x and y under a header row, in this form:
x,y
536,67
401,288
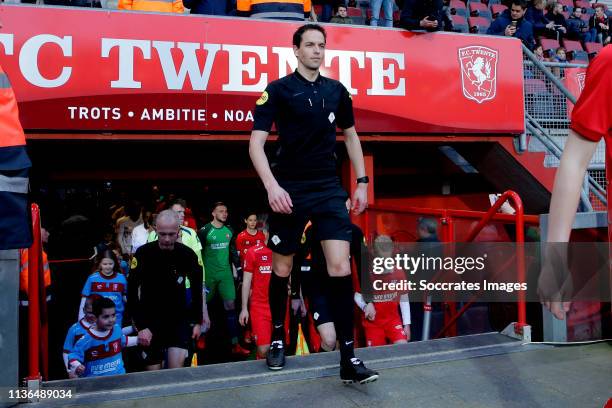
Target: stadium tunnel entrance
x,y
433,172
92,177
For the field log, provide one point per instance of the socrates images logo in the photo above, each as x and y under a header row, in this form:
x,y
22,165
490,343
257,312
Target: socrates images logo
x,y
478,72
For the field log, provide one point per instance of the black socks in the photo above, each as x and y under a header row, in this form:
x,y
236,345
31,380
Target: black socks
x,y
341,298
278,305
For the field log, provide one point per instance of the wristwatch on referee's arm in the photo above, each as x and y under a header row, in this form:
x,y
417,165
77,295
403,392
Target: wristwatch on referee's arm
x,y
364,180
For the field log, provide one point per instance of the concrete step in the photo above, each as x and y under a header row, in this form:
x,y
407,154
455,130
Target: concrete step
x,y
249,373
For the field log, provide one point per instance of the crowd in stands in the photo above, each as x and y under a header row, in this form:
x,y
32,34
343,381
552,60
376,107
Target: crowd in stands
x,y
234,268
584,25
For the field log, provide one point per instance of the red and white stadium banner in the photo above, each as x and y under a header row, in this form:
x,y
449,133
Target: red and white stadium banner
x,y
574,82
101,70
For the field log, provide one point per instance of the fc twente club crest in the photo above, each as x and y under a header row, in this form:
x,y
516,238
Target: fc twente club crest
x,y
580,77
478,72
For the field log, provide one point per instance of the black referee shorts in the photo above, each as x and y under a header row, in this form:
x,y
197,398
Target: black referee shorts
x,y
323,202
173,334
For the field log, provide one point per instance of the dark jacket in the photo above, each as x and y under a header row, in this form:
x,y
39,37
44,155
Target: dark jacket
x,y
576,26
524,28
416,10
341,20
536,18
558,19
85,3
210,7
594,23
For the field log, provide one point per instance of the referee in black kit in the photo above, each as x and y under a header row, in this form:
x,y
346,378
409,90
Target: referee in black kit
x,y
303,185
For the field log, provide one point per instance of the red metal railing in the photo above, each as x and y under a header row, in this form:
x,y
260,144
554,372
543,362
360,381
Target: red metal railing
x,y
448,217
517,204
34,299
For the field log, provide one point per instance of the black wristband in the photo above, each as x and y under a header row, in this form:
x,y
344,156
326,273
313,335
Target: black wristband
x,y
364,180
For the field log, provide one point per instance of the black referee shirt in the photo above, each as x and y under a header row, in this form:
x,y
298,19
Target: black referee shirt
x,y
156,286
306,115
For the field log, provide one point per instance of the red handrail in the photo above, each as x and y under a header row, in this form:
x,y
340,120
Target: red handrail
x,y
467,305
34,266
468,214
447,234
517,203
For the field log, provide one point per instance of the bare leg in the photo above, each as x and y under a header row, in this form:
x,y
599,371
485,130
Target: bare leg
x,y
176,357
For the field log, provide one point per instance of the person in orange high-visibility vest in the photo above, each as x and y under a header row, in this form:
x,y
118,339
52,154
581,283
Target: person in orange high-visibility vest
x,y
161,6
24,272
15,228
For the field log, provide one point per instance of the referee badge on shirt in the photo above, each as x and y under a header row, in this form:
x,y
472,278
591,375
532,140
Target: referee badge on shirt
x,y
262,99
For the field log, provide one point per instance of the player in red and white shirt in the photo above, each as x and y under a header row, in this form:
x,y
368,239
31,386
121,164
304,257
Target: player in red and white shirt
x,y
382,322
257,269
250,237
591,120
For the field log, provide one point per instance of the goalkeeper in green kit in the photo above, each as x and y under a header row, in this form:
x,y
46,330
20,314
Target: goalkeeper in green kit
x,y
222,265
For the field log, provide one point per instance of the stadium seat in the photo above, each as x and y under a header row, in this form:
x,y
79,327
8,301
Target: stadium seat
x,y
354,12
460,24
578,56
583,4
494,2
585,17
478,25
589,11
549,45
497,9
569,9
364,4
358,20
567,3
535,86
396,16
458,7
572,45
592,48
318,9
538,100
575,51
479,10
